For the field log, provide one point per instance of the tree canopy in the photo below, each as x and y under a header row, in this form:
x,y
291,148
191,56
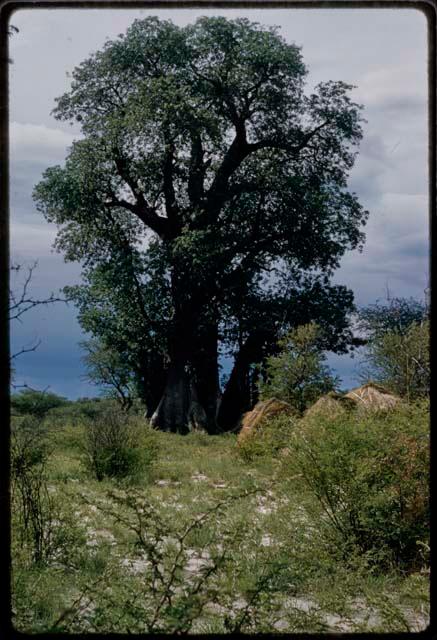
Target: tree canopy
x,y
207,202
397,352
298,374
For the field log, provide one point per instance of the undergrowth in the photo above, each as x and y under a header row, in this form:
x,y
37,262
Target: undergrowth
x,y
205,541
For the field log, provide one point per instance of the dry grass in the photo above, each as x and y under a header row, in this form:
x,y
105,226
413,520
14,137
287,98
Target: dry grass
x,y
332,404
373,396
369,396
262,410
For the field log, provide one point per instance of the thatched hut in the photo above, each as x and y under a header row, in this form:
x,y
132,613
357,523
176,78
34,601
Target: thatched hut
x,y
262,410
331,405
372,396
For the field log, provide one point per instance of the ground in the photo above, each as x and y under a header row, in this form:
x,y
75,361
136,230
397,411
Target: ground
x,y
201,542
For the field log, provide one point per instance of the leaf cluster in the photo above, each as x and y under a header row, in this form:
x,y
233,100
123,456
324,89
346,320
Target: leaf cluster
x,y
298,375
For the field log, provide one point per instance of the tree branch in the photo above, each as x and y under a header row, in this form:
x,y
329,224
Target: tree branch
x,y
168,170
24,350
141,209
196,171
219,191
20,305
272,143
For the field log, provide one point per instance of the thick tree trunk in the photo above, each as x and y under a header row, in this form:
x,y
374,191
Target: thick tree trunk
x,y
238,396
192,392
172,412
206,374
151,381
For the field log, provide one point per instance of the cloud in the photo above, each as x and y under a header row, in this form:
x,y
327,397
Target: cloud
x,y
400,87
33,148
31,240
37,140
396,251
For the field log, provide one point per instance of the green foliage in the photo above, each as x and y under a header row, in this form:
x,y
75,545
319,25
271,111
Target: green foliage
x,y
124,303
29,445
118,445
396,316
401,360
270,440
280,572
106,368
36,403
43,529
79,412
203,125
165,598
370,475
397,350
298,375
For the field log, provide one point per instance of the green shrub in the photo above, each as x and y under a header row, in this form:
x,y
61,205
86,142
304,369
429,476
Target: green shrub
x,y
79,412
298,374
401,361
271,437
40,526
118,445
36,403
370,475
397,352
29,444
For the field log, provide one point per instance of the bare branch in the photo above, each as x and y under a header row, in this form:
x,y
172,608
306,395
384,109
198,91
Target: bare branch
x,y
25,350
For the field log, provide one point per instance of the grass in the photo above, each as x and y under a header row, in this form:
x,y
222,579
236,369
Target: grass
x,y
262,563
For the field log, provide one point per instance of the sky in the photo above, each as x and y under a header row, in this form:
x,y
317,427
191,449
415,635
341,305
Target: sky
x,y
382,52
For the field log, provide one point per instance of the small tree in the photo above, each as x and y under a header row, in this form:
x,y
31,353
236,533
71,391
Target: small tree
x,y
396,316
106,367
401,361
36,403
397,346
298,374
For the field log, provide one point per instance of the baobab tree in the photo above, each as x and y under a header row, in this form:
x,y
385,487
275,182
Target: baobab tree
x,y
201,153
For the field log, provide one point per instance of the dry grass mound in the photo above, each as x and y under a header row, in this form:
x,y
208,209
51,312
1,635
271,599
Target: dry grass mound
x,y
373,396
262,410
331,405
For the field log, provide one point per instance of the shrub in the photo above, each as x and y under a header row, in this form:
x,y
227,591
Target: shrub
x,y
36,403
165,598
298,374
401,361
80,411
118,445
370,475
397,345
32,505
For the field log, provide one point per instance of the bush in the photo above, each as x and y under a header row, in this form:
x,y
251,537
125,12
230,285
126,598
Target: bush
x,y
32,505
118,445
397,346
80,412
401,361
36,403
298,374
271,437
370,475
164,599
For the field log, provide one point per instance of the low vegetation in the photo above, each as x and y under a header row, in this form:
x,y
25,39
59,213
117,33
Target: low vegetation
x,y
118,445
319,525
